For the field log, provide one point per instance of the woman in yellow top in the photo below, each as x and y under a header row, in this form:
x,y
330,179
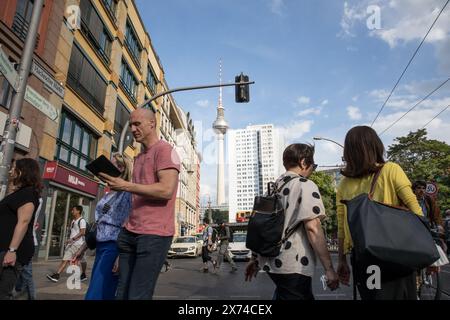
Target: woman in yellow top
x,y
364,156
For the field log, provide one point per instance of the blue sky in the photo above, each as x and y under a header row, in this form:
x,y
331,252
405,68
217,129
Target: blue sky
x,y
319,69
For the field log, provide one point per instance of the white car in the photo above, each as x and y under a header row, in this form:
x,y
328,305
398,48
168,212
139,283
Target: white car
x,y
237,249
186,246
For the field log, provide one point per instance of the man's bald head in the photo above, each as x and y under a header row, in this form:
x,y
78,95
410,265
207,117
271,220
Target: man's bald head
x,y
144,113
143,126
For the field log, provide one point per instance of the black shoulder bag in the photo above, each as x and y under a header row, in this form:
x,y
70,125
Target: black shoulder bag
x,y
393,235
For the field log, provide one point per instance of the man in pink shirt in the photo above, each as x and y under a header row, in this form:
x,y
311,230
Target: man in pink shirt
x,y
145,239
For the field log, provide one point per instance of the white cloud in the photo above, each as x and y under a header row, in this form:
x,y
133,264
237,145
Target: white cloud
x,y
277,6
315,111
354,113
202,103
351,15
324,102
296,130
438,129
402,21
303,100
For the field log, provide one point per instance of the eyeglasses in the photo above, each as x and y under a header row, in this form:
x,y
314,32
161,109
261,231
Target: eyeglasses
x,y
315,166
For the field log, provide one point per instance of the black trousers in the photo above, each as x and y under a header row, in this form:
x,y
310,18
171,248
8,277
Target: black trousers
x,y
292,286
8,278
205,254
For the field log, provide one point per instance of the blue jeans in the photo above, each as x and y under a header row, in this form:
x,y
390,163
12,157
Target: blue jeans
x,y
103,283
25,281
141,258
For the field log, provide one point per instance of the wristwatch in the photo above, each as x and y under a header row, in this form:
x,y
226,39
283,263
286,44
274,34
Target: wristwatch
x,y
12,249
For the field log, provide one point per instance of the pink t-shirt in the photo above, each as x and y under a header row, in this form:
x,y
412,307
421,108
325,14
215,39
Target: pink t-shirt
x,y
150,216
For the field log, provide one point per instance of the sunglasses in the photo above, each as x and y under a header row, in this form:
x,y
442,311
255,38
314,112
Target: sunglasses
x,y
315,166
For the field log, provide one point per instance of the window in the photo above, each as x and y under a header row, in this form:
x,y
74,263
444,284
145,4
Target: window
x,y
76,145
94,29
128,80
120,120
151,80
86,81
111,6
6,92
131,40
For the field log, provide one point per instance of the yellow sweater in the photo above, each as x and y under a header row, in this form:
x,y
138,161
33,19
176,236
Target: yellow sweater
x,y
393,187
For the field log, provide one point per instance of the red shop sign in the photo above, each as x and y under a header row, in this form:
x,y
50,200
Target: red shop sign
x,y
55,172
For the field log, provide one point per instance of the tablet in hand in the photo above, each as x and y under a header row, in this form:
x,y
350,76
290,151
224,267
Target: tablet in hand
x,y
103,165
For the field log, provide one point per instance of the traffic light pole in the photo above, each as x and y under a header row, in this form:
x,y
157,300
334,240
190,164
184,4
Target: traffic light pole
x,y
146,102
12,123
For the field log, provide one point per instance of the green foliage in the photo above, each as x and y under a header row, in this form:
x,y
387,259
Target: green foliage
x,y
327,190
424,159
218,215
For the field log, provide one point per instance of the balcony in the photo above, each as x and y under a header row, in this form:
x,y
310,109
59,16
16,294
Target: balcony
x,y
20,28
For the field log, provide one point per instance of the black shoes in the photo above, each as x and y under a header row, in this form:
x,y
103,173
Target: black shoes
x,y
54,277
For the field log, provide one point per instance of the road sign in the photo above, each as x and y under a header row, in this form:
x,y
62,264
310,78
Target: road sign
x,y
7,68
47,79
40,103
432,189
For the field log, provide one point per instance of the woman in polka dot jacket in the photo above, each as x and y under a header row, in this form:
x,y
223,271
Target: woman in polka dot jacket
x,y
292,270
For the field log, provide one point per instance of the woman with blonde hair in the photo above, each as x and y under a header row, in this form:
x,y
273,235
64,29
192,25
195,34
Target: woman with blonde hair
x,y
111,213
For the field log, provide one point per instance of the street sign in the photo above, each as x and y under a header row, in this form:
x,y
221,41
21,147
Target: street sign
x,y
7,68
432,189
47,79
40,103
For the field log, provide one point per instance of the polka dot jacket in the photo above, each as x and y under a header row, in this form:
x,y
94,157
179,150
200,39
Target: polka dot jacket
x,y
302,201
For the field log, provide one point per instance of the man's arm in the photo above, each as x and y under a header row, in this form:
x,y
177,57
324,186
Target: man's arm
x,y
162,190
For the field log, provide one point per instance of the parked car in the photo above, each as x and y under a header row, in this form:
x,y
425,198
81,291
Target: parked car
x,y
237,249
186,246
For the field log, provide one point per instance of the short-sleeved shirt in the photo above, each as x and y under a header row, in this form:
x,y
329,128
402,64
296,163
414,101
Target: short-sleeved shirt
x,y
110,213
302,202
152,216
75,229
206,234
8,221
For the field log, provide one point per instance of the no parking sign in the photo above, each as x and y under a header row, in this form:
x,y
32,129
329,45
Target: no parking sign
x,y
432,189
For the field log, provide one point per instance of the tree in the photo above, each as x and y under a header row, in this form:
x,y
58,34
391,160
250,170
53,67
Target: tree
x,y
424,159
218,215
327,190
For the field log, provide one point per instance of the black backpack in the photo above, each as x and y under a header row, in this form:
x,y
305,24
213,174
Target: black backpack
x,y
266,224
214,235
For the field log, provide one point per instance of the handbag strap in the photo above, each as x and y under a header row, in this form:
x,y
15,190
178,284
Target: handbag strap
x,y
374,181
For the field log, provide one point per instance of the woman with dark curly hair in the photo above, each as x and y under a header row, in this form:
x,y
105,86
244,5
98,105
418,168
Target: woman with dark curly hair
x,y
17,211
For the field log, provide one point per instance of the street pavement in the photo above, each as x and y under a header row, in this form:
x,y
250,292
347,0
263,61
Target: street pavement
x,y
186,281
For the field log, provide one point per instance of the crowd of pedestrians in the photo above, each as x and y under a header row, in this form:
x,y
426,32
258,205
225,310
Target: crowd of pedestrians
x,y
134,222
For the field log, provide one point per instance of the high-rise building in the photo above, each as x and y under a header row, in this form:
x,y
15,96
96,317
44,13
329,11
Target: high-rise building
x,y
255,158
220,127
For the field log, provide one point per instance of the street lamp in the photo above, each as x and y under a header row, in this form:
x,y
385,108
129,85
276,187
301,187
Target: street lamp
x,y
321,138
242,95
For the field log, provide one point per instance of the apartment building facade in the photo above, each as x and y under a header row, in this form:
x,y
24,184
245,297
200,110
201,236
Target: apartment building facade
x,y
255,158
101,55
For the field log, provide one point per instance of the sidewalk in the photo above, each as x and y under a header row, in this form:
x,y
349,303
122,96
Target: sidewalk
x,y
48,290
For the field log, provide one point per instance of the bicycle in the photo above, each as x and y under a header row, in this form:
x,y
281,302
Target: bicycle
x,y
429,279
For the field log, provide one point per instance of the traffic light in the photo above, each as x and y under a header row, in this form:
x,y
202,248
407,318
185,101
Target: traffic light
x,y
242,91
